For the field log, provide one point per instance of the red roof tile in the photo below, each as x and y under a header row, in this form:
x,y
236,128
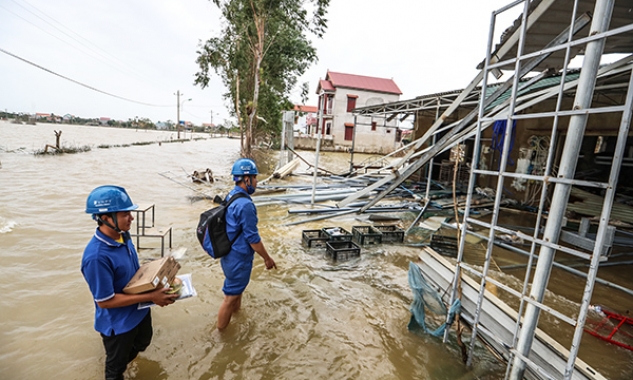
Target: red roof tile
x,y
304,108
360,82
325,85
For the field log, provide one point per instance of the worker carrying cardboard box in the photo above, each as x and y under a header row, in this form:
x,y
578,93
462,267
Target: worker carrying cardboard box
x,y
109,263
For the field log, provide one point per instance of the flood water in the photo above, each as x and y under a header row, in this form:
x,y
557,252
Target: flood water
x,y
309,319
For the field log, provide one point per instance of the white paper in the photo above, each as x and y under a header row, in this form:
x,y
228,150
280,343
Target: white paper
x,y
187,291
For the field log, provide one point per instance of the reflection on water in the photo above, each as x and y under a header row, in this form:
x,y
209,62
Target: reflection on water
x,y
309,319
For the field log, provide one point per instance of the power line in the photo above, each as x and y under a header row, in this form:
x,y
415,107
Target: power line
x,y
80,83
131,72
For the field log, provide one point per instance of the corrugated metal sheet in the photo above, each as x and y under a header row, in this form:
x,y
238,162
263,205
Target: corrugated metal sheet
x,y
544,83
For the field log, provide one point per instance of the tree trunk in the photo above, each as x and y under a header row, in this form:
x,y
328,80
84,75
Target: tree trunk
x,y
258,53
238,113
58,135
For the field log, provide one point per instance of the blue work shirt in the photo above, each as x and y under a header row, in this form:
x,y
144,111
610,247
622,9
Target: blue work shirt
x,y
108,266
241,215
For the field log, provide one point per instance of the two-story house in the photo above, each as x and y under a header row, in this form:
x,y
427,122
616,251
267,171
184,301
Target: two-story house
x,y
339,94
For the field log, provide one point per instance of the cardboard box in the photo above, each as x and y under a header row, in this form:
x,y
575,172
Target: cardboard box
x,y
153,275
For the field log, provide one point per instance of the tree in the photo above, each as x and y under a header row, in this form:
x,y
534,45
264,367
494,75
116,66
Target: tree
x,y
259,55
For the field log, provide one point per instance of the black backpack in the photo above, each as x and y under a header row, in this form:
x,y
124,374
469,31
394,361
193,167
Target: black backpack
x,y
211,231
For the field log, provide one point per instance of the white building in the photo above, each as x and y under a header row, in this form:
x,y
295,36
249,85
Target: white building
x,y
339,94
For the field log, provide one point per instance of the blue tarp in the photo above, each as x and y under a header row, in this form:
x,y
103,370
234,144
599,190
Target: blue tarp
x,y
498,138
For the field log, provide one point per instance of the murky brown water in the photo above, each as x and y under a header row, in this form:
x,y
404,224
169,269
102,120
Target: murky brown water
x,y
309,319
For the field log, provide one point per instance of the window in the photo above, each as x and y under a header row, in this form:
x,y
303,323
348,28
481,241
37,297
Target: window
x,y
328,128
349,131
373,125
351,102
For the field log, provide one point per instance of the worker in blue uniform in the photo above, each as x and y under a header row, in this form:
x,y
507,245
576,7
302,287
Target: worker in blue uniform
x,y
241,221
109,262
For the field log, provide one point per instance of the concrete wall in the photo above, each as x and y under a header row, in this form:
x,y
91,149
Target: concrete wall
x,y
309,143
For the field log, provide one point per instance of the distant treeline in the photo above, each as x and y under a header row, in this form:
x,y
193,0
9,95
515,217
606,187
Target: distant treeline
x,y
136,123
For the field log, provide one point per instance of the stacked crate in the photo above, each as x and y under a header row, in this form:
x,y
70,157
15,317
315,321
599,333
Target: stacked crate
x,y
314,238
340,244
342,250
366,235
391,234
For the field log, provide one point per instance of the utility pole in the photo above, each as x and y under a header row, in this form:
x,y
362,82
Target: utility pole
x,y
211,126
178,113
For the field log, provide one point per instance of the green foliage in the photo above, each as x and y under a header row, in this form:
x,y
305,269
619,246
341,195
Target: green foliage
x,y
259,55
63,149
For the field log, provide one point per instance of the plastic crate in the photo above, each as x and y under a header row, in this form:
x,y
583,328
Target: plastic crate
x,y
444,245
314,238
366,235
391,234
337,234
342,250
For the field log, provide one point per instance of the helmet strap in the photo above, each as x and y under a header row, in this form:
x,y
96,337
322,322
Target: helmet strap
x,y
249,185
116,223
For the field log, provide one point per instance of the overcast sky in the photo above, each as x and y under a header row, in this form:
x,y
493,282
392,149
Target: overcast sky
x,y
141,52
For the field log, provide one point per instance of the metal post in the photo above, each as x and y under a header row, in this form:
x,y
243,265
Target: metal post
x,y
500,178
282,148
432,160
290,139
577,123
460,252
178,112
604,222
429,172
318,145
351,160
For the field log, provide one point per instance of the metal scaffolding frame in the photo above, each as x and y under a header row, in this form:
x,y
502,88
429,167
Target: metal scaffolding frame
x,y
594,27
546,240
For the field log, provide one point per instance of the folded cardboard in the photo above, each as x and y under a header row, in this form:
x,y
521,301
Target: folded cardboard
x,y
187,291
153,275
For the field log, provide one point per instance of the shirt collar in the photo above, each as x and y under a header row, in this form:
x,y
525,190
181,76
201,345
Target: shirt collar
x,y
239,189
108,240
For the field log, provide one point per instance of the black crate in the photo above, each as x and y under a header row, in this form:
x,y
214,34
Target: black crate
x,y
342,250
444,245
391,234
337,233
314,238
366,235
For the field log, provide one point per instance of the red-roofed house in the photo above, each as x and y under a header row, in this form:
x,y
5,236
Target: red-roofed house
x,y
339,94
306,117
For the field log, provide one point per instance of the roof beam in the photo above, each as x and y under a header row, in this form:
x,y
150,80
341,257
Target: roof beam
x,y
397,177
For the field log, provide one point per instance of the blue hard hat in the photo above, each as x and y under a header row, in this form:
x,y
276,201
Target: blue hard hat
x,y
107,199
244,166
